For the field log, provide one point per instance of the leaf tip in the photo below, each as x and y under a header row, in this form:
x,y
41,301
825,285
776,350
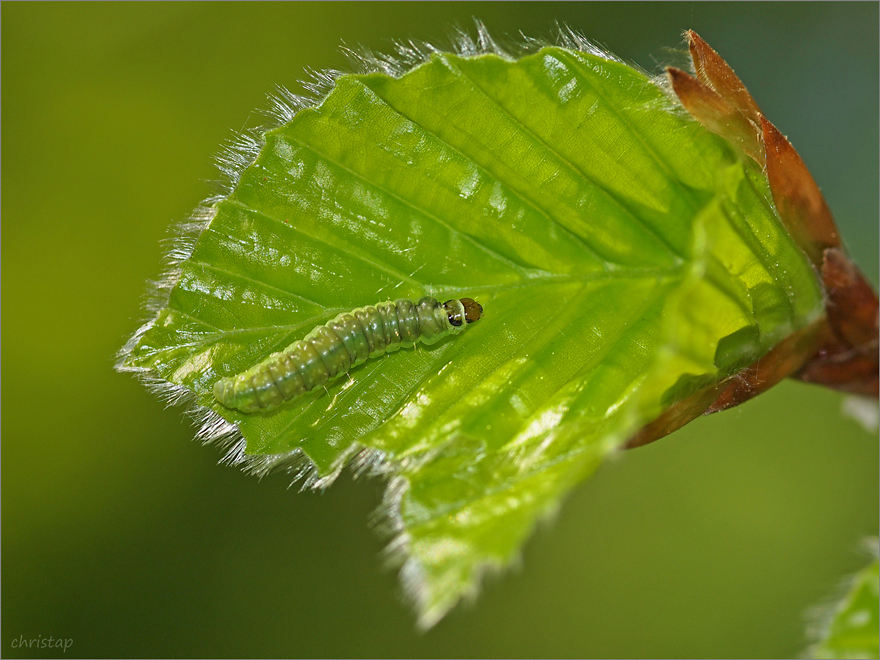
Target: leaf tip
x,y
715,113
713,70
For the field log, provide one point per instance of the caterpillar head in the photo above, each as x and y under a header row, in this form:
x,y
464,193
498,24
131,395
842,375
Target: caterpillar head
x,y
465,309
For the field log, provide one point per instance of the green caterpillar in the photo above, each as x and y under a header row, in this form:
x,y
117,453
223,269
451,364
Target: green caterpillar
x,y
330,350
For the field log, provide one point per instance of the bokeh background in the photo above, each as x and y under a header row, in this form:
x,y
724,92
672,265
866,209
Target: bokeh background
x,y
121,533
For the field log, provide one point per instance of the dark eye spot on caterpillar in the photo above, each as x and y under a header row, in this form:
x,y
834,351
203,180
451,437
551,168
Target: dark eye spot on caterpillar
x,y
332,349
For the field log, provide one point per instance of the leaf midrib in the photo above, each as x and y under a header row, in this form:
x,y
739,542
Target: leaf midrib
x,y
532,280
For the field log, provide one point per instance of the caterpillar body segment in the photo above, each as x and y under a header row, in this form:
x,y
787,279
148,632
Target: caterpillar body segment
x,y
332,349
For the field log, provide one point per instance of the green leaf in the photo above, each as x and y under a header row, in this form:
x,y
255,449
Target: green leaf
x,y
850,626
625,258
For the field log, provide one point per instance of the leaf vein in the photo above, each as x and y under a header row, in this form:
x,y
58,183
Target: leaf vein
x,y
335,246
577,170
420,211
521,195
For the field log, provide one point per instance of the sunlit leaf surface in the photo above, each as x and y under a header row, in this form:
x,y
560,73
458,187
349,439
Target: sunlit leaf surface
x,y
624,256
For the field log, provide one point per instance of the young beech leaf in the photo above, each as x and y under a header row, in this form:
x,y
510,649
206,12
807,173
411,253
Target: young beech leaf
x,y
849,627
629,263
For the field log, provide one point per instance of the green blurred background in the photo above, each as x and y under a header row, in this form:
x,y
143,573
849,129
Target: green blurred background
x,y
121,533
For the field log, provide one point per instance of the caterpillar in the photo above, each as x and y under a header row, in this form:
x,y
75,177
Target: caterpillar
x,y
332,349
